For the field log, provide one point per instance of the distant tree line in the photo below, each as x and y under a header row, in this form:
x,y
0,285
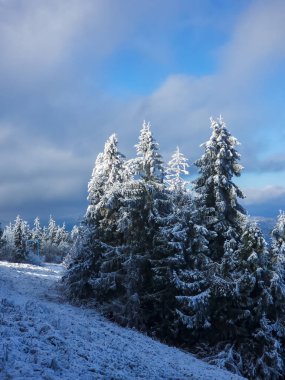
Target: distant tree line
x,y
186,266
20,243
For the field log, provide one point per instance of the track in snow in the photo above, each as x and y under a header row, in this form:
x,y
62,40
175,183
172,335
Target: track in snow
x,y
44,337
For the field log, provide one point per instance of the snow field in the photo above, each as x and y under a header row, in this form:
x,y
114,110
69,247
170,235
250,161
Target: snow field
x,y
44,337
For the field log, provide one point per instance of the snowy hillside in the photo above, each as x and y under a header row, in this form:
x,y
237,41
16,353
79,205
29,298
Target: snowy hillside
x,y
43,337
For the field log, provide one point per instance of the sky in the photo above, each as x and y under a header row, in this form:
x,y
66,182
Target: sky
x,y
72,72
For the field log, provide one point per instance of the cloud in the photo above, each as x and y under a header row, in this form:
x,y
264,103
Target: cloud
x,y
35,37
265,201
35,173
39,38
55,113
264,195
258,41
181,106
275,163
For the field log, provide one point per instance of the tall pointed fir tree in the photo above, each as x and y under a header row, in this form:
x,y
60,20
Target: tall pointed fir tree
x,y
108,171
93,268
168,247
1,235
105,188
141,199
148,164
37,236
3,243
8,248
177,168
278,246
217,193
236,328
20,239
183,243
277,265
37,231
218,218
252,318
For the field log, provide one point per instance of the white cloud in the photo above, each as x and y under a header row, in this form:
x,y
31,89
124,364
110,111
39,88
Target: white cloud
x,y
181,106
33,170
40,37
37,36
265,194
51,127
258,40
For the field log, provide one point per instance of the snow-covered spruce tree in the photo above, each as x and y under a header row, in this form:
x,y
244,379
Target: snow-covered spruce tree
x,y
277,265
217,218
74,233
248,329
37,231
217,193
227,307
93,268
15,237
170,243
188,239
228,288
109,169
51,230
137,203
20,231
181,266
37,236
147,207
193,281
2,243
167,253
8,247
176,168
112,263
278,246
148,164
49,247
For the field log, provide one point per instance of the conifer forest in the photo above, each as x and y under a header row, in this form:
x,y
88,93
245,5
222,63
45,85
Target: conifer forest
x,y
177,260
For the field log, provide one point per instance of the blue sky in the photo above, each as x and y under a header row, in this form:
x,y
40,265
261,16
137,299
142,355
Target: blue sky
x,y
74,71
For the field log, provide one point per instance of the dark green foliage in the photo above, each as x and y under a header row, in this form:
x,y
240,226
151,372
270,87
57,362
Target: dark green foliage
x,y
187,267
20,238
218,194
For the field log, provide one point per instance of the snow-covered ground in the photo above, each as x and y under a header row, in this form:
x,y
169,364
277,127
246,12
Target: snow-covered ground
x,y
44,337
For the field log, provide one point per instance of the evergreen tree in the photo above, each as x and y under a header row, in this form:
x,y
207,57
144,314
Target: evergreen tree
x,y
278,245
108,171
251,328
228,288
51,230
189,269
1,236
2,244
135,221
37,231
8,248
94,268
216,220
148,164
193,282
177,167
37,235
277,265
169,242
20,238
74,233
217,193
